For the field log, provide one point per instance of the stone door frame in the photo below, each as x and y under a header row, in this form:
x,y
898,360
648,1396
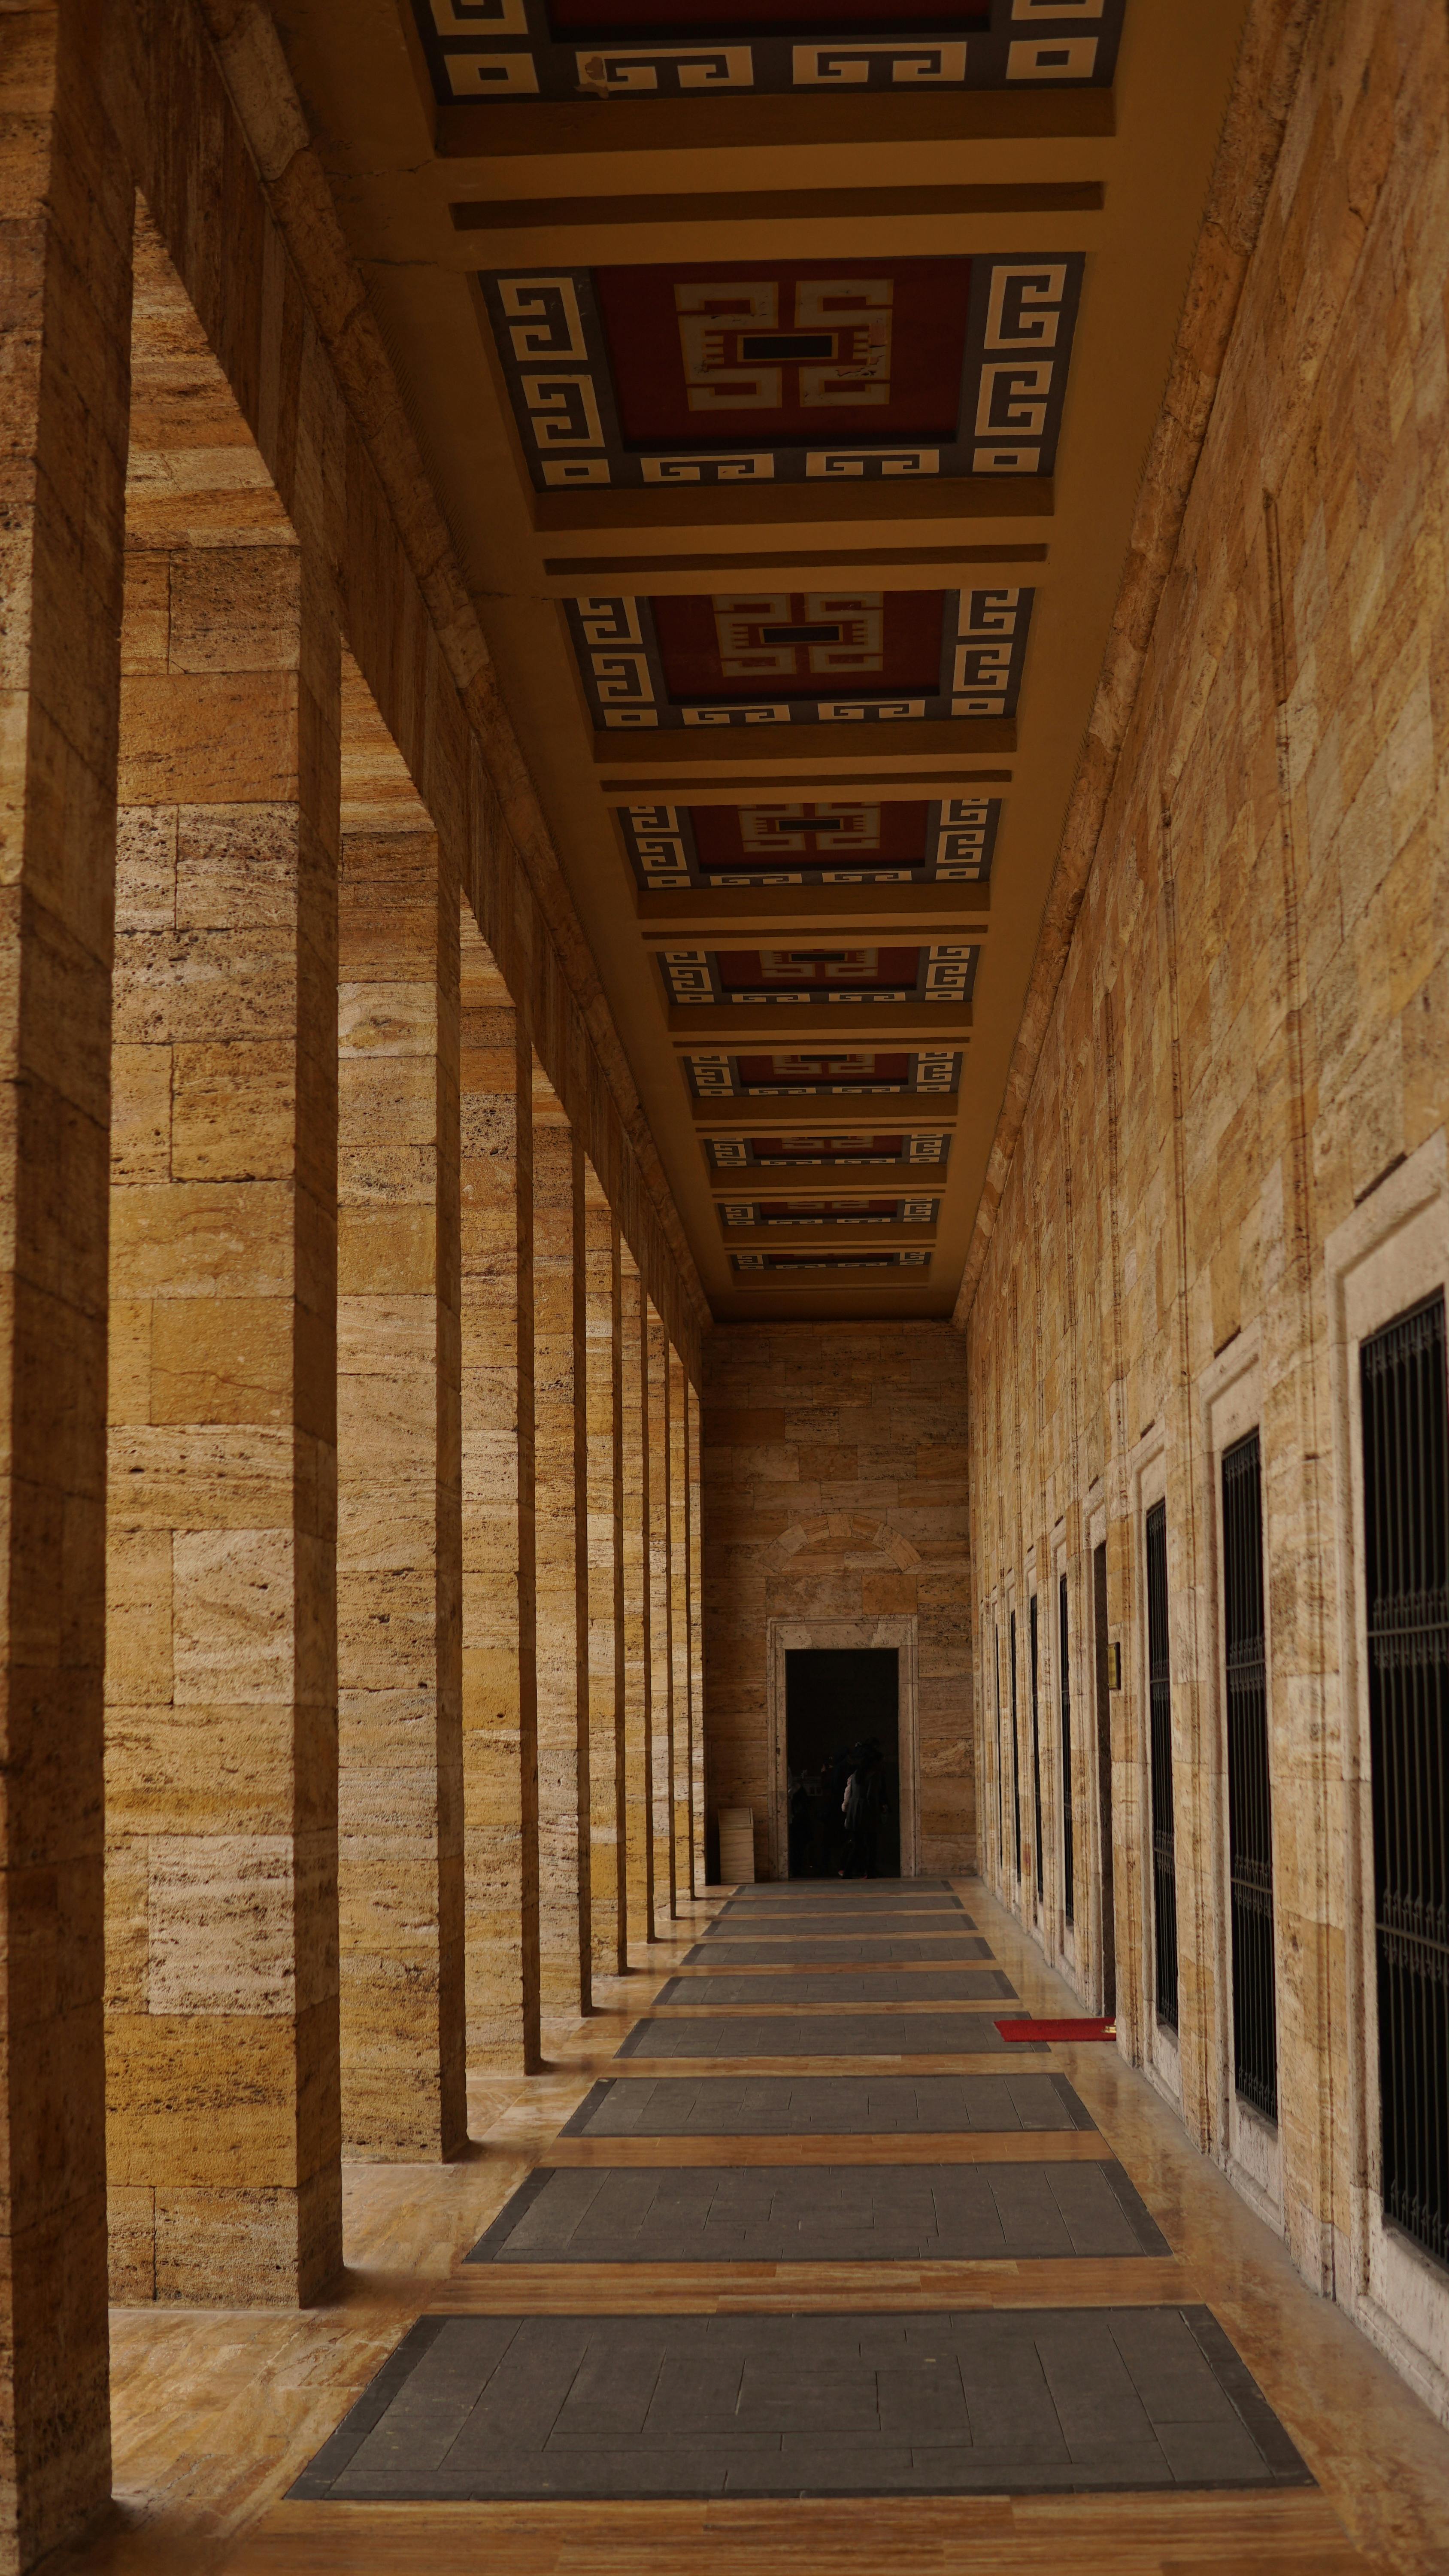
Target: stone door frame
x,y
825,1635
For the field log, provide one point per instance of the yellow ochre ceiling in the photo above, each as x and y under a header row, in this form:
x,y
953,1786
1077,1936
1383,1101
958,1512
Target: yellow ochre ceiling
x,y
785,374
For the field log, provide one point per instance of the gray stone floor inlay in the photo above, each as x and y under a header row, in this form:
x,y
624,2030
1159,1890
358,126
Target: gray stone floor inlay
x,y
729,1952
859,1927
823,2106
1016,2401
940,2034
771,1891
871,1986
822,2214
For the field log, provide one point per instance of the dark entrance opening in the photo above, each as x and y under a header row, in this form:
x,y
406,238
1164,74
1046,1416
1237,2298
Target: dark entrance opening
x,y
842,1749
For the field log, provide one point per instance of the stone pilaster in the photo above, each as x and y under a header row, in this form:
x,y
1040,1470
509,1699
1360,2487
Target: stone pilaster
x,y
683,1780
500,1702
64,306
638,1671
603,1360
661,1661
399,1577
221,1666
693,1433
561,1557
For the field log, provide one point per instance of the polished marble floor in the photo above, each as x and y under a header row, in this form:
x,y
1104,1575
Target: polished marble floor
x,y
792,2300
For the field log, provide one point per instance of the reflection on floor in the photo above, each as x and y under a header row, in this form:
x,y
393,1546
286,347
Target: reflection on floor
x,y
808,2298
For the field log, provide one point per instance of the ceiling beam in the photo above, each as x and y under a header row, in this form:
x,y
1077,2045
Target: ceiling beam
x,y
728,912
893,1113
845,1237
817,1026
947,501
546,129
584,232
665,752
882,567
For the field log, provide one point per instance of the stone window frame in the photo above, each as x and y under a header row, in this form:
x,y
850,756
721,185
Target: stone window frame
x,y
788,1635
1064,1934
1230,1405
1147,1485
1387,1255
990,1843
1094,1536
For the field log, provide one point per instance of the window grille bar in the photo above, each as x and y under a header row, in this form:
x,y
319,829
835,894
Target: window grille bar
x,y
1000,1789
1015,1748
1405,1413
1068,1855
1035,1743
1250,1798
1102,1683
1164,1840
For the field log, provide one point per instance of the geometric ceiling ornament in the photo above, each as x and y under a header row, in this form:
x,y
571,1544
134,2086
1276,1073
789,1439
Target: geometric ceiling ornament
x,y
504,50
753,1263
836,1073
944,972
828,1212
800,657
803,842
738,1155
794,371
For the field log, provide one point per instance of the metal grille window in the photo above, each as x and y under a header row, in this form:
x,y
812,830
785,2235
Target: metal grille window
x,y
1406,1568
1164,1844
1101,1678
1250,1805
1035,1743
1015,1746
1068,1867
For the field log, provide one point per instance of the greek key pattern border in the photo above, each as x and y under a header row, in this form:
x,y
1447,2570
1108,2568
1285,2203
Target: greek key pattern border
x,y
1021,319
481,51
983,654
960,845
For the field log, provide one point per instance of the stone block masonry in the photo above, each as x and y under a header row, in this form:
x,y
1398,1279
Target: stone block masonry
x,y
834,1493
1242,1059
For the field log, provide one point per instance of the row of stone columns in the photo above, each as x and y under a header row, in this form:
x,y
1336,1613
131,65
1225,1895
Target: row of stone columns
x,y
314,1303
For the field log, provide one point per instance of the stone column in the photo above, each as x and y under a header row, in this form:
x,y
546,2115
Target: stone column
x,y
661,1659
224,2131
603,1328
693,1432
64,315
399,1572
561,1557
500,1703
638,1668
683,1778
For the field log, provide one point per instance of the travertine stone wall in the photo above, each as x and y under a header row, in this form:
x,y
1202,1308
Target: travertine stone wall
x,y
399,1571
638,1662
834,1489
560,1522
661,1665
604,1413
1247,1041
222,2047
500,1702
67,235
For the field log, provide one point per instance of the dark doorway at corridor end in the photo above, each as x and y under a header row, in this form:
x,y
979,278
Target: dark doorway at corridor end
x,y
842,1752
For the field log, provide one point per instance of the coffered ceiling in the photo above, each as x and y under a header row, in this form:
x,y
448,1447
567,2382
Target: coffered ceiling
x,y
785,373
